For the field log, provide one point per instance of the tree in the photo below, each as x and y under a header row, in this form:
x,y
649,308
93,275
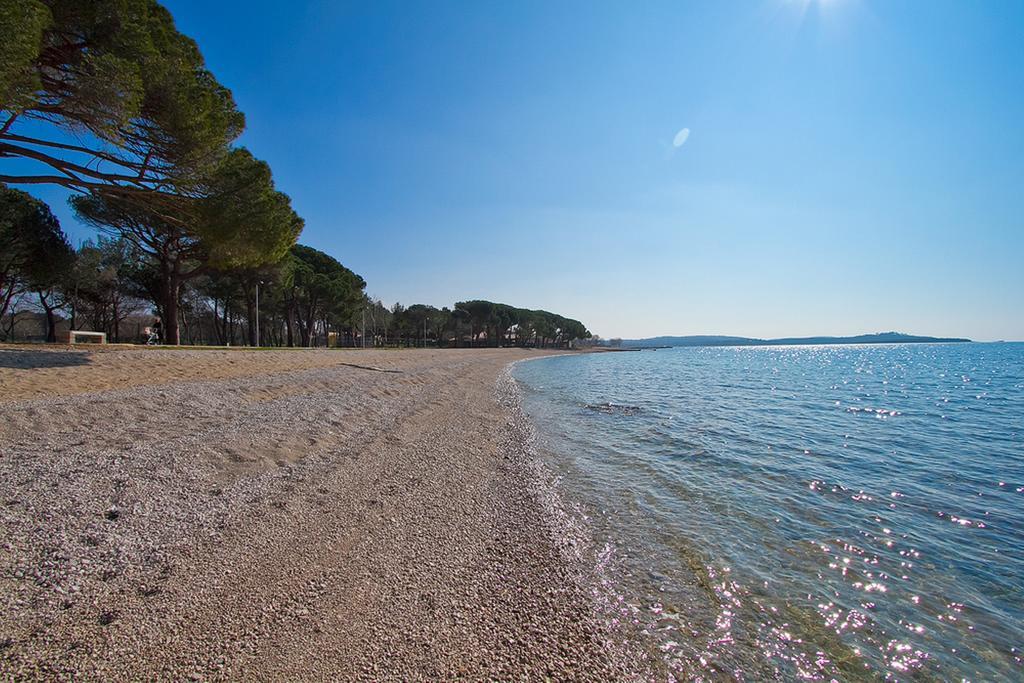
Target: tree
x,y
237,289
100,287
441,323
572,330
479,314
321,288
130,106
531,328
47,277
379,319
505,318
34,253
239,221
419,321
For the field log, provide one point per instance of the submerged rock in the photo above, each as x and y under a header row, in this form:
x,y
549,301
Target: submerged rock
x,y
613,408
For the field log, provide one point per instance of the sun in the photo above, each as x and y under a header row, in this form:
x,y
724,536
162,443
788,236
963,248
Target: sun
x,y
805,4
821,8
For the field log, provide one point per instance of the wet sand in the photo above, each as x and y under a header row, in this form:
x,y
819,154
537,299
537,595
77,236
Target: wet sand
x,y
282,515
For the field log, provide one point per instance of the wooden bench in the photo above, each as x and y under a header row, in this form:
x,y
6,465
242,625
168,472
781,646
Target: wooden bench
x,y
91,337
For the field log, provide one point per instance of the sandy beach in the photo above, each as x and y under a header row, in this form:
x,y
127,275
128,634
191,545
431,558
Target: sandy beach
x,y
281,515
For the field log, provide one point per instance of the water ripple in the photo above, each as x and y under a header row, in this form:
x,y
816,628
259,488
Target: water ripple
x,y
804,512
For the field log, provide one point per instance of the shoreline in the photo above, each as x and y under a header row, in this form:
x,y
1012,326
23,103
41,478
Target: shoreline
x,y
569,528
301,517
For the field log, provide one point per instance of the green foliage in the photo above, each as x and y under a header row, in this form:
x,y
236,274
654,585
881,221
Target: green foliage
x,y
120,71
243,222
419,322
145,227
239,221
481,313
102,288
34,253
487,323
320,277
154,168
322,289
534,328
22,23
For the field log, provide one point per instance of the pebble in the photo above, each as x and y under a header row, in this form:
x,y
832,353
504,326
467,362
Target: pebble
x,y
479,585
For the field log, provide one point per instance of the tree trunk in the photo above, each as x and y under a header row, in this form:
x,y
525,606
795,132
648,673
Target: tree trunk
x,y
5,304
172,330
289,321
51,323
216,322
186,327
117,323
74,308
170,284
309,328
251,318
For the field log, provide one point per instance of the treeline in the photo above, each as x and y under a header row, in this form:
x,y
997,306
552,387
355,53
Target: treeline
x,y
306,298
303,299
472,323
106,99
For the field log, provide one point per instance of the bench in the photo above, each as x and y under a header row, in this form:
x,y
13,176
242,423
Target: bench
x,y
90,337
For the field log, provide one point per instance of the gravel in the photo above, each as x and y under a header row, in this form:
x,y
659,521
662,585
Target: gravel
x,y
306,523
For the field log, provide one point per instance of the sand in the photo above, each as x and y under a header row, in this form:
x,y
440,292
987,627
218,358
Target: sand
x,y
283,515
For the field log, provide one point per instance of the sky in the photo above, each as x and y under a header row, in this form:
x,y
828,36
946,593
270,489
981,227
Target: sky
x,y
850,166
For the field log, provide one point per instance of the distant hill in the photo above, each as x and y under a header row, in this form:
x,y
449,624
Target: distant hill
x,y
719,340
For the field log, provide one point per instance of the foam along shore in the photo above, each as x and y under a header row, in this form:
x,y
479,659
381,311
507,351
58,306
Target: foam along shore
x,y
281,516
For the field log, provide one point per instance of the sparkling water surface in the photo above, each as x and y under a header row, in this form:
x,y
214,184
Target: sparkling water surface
x,y
817,512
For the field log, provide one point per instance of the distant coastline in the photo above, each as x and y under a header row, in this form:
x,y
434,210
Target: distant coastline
x,y
720,340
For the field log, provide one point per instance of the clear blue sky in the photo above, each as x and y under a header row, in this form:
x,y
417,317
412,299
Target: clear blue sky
x,y
852,166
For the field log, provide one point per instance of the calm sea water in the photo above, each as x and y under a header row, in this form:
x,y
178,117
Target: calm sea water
x,y
807,512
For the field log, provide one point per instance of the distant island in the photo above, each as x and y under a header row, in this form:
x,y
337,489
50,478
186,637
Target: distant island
x,y
719,340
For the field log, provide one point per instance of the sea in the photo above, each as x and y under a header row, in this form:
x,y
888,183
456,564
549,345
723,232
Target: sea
x,y
848,512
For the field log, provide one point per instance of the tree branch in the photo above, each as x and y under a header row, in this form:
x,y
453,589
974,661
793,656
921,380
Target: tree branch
x,y
64,166
145,164
71,148
8,123
54,179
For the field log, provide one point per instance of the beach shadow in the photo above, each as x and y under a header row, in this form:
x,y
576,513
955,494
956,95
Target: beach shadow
x,y
24,359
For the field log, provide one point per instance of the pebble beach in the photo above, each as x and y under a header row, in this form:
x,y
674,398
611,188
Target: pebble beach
x,y
284,515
